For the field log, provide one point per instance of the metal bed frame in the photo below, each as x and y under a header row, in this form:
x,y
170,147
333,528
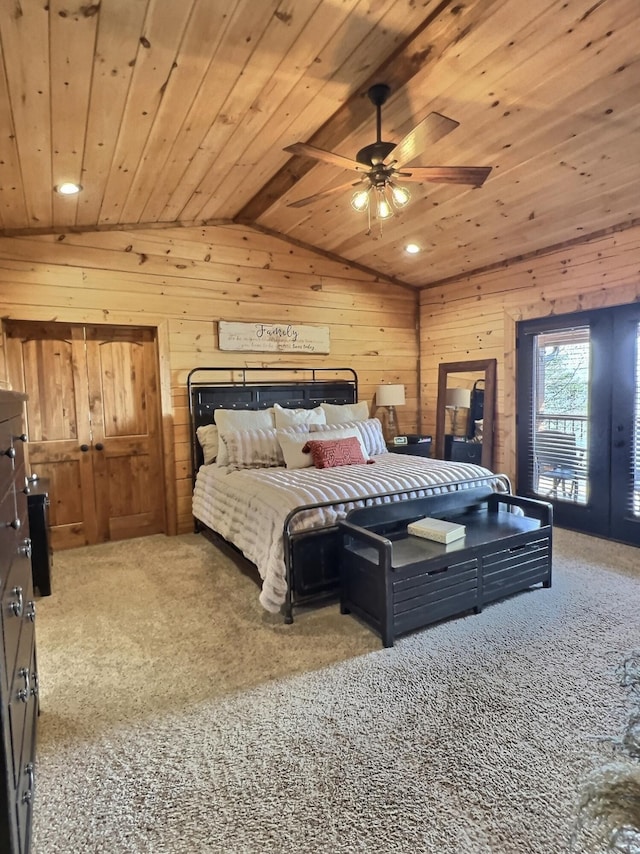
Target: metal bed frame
x,y
312,556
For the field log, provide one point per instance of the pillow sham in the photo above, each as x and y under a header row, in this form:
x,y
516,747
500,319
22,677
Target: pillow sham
x,y
338,413
370,432
330,453
229,420
208,437
286,417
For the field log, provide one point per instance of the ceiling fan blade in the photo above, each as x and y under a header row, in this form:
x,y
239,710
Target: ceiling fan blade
x,y
327,156
425,133
475,175
309,199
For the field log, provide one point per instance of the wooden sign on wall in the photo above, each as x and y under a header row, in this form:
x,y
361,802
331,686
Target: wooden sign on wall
x,y
273,337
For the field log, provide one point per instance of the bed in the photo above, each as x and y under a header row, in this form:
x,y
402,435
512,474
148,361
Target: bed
x,y
283,519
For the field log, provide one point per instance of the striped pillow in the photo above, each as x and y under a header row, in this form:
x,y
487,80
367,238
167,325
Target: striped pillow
x,y
256,449
370,432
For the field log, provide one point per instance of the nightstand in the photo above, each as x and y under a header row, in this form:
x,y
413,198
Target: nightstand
x,y
38,510
417,449
460,450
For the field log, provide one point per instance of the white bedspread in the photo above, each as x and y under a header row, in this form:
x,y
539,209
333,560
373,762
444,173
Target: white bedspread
x,y
249,507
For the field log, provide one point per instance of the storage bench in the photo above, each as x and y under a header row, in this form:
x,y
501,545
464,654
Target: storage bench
x,y
397,582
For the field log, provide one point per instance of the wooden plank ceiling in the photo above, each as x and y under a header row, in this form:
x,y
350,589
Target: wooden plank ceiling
x,y
177,113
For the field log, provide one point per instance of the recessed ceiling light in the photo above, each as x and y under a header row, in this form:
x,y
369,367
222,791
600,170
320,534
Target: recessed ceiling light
x,y
67,188
412,248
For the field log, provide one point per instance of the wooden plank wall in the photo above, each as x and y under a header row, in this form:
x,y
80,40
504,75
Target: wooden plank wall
x,y
183,280
475,317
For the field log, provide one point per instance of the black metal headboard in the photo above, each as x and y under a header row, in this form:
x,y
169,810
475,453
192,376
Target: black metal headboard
x,y
209,389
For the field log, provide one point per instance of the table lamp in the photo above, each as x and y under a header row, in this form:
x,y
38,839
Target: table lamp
x,y
457,398
390,396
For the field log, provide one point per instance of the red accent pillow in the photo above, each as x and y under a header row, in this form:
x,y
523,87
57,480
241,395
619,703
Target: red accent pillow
x,y
328,453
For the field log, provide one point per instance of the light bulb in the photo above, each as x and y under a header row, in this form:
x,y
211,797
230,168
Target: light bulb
x,y
400,195
67,188
360,200
384,209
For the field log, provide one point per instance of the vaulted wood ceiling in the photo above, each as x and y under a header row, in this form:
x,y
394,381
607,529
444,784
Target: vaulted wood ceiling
x,y
178,113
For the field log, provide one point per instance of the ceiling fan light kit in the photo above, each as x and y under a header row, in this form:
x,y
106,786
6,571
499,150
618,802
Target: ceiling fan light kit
x,y
381,195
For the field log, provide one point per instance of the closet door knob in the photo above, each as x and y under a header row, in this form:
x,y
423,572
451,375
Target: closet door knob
x,y
84,448
11,453
99,446
23,437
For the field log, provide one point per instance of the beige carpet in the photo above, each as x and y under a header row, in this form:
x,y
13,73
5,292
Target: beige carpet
x,y
178,716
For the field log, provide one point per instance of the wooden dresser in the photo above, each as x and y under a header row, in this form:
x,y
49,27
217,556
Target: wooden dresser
x,y
18,680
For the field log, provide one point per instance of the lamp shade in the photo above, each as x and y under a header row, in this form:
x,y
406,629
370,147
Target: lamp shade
x,y
458,397
390,395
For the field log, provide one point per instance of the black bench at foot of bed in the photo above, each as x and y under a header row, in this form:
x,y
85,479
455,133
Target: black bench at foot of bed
x,y
397,582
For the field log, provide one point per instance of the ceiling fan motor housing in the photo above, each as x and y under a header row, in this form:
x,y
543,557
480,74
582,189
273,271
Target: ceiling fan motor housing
x,y
374,154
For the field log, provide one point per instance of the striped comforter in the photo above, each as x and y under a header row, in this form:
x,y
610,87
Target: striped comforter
x,y
249,507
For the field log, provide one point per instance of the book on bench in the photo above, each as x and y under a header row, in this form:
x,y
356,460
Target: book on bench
x,y
436,529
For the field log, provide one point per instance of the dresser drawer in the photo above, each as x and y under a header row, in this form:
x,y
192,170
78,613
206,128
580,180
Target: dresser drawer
x,y
17,604
22,697
25,794
11,448
7,534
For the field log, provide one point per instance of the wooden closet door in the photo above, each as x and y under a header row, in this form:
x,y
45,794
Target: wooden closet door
x,y
124,407
94,427
48,363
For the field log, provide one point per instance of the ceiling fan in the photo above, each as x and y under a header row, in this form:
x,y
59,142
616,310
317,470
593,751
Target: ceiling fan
x,y
377,187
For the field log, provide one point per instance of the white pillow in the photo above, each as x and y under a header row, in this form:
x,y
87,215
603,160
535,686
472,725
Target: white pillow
x,y
338,413
292,445
208,437
231,420
370,432
287,417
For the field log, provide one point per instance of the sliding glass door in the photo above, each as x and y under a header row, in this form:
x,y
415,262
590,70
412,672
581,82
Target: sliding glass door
x,y
578,404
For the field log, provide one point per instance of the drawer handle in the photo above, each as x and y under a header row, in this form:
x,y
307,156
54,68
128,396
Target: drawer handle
x,y
23,693
30,613
16,606
35,686
27,797
23,437
10,452
15,524
25,548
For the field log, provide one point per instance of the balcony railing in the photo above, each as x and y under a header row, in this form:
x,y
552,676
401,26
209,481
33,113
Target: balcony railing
x,y
561,465
575,487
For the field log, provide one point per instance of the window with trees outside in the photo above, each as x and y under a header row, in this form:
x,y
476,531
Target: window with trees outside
x,y
560,440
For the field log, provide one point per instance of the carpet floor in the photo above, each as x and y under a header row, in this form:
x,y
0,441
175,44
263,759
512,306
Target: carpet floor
x,y
178,716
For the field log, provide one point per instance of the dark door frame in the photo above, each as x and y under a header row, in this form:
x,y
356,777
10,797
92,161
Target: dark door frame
x,y
611,384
